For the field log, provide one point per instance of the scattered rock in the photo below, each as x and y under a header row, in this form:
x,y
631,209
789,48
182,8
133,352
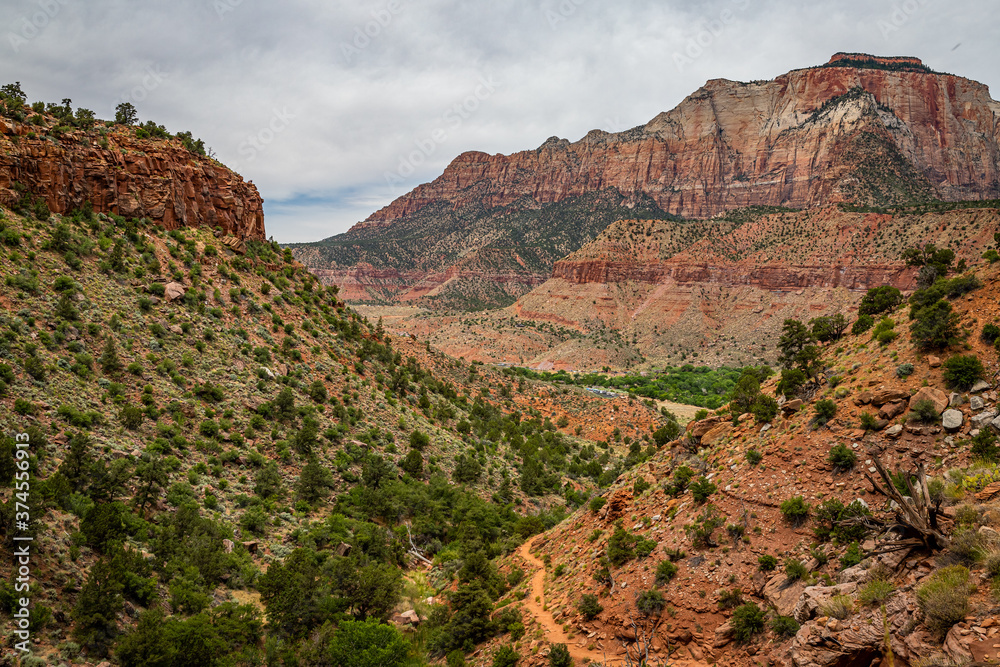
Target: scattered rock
x,y
934,362
894,431
892,410
227,546
982,385
174,291
977,403
952,420
723,635
864,398
343,549
792,406
883,396
783,593
984,418
716,435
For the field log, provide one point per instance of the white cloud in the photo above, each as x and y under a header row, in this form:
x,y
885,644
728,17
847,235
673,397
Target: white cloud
x,y
228,69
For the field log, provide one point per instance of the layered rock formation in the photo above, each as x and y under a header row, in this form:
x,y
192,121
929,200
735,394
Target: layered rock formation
x,y
860,128
714,292
117,173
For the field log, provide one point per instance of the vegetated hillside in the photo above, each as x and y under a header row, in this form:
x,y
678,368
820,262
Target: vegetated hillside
x,y
53,158
465,257
229,467
874,131
647,294
758,538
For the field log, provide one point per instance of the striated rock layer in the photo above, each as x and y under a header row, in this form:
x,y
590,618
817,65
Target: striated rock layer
x,y
157,179
712,291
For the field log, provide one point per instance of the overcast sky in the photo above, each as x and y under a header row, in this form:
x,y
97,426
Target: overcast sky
x,y
334,108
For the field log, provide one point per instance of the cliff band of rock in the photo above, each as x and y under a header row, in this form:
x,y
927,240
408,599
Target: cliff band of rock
x,y
156,179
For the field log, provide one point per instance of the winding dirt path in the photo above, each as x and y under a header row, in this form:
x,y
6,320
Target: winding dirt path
x,y
554,634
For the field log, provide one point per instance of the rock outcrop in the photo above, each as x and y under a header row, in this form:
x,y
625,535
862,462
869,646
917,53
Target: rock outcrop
x,y
118,173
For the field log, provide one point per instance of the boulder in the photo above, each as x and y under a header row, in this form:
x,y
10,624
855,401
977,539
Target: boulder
x,y
864,398
892,410
982,385
894,431
954,399
792,406
935,396
343,549
952,420
700,428
716,435
995,424
934,362
883,396
984,418
783,593
227,546
977,403
174,291
723,635
815,597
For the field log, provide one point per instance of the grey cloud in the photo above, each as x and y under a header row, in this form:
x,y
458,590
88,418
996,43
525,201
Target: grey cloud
x,y
351,113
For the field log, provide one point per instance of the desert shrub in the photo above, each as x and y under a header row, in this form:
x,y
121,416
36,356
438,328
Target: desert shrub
x,y
753,457
842,457
795,510
965,545
702,528
784,626
506,656
880,300
702,489
904,370
665,571
791,381
764,408
824,411
640,486
924,410
963,371
875,592
862,324
990,333
131,417
839,607
795,569
621,546
984,445
852,556
935,326
767,563
944,600
559,656
589,606
728,599
747,621
868,421
650,602
597,503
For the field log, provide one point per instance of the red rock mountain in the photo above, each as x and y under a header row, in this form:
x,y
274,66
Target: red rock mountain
x,y
118,173
798,141
865,129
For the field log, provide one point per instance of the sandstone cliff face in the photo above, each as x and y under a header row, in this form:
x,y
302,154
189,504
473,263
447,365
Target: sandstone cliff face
x,y
804,139
157,179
